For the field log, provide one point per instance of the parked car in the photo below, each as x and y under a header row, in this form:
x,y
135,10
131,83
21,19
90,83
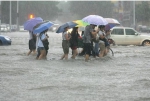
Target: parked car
x,y
5,40
13,28
3,28
21,29
128,36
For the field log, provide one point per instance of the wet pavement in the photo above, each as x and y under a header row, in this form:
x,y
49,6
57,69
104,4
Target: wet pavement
x,y
122,77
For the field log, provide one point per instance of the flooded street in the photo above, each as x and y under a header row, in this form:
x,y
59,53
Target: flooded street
x,y
122,77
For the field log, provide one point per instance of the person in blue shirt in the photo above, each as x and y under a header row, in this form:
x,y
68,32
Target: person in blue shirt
x,y
40,46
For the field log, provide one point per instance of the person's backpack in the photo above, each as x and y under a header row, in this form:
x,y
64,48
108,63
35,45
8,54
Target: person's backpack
x,y
45,43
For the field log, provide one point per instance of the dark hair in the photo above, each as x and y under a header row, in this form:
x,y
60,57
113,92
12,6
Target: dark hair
x,y
101,26
74,30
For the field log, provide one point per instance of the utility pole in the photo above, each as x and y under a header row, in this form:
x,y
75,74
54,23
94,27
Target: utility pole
x,y
10,16
0,16
17,15
134,13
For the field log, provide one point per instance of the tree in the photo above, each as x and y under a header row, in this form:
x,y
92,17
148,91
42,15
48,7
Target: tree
x,y
48,10
84,8
142,11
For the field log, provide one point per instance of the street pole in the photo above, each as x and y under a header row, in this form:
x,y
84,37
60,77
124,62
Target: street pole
x,y
0,16
134,14
17,15
10,16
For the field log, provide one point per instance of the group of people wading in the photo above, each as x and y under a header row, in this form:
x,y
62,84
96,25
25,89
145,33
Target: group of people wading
x,y
95,42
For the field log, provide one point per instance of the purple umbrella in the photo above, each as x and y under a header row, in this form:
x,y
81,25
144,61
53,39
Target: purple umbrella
x,y
29,24
111,23
95,19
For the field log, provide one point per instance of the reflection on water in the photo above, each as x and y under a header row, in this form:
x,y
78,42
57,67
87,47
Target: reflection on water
x,y
124,77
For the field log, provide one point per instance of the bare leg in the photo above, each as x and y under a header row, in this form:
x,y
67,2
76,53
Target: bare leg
x,y
63,56
102,49
41,55
34,52
86,57
29,52
66,56
74,54
101,53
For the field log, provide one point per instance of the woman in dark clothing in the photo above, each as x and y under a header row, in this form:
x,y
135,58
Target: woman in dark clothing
x,y
74,41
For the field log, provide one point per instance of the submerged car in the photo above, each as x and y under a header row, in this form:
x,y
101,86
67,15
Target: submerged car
x,y
128,36
5,40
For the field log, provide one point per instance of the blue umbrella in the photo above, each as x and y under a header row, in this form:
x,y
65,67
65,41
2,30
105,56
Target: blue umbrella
x,y
43,27
95,19
29,24
68,24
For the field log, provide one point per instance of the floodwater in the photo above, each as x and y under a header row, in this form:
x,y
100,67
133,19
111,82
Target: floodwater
x,y
122,77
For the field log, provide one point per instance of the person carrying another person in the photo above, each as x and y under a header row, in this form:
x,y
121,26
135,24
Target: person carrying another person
x,y
89,31
65,43
74,41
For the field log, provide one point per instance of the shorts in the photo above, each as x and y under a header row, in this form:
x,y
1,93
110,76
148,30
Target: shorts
x,y
65,46
32,44
87,47
102,45
38,50
74,47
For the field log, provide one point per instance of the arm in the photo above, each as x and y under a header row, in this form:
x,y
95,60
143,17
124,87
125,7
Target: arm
x,y
67,37
94,33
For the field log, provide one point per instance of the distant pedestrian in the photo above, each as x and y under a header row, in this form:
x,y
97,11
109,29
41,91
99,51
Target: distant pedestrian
x,y
65,43
32,43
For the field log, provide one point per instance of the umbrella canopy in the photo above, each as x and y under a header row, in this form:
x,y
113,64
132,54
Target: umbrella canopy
x,y
42,27
111,23
95,19
81,23
37,25
29,24
68,24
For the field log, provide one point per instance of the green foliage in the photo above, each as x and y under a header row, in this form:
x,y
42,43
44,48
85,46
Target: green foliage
x,y
142,11
48,10
84,8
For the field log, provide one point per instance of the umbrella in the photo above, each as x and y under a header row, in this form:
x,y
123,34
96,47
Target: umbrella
x,y
111,23
95,19
37,25
81,23
67,24
29,24
42,27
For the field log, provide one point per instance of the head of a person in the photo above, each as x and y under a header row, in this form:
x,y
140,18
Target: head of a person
x,y
101,27
93,26
66,29
74,30
107,31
